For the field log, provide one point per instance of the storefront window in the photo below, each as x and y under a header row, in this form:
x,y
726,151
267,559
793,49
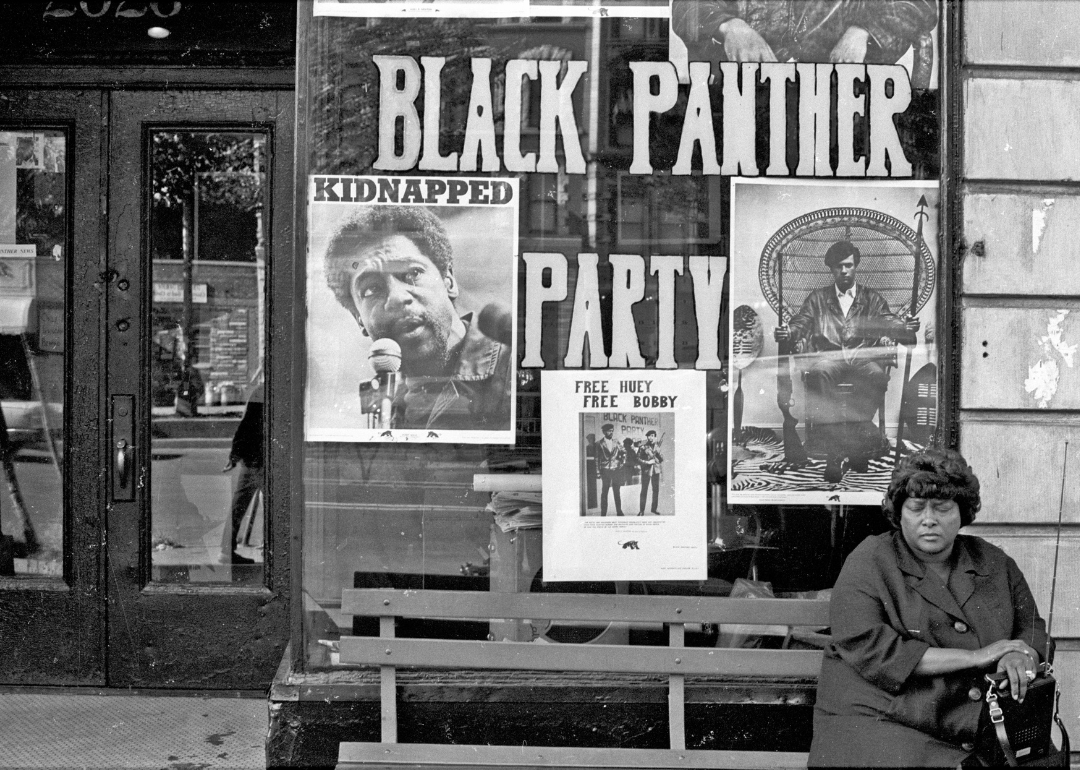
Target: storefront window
x,y
34,241
656,237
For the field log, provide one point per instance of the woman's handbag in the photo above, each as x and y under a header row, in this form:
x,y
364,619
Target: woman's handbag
x,y
1018,734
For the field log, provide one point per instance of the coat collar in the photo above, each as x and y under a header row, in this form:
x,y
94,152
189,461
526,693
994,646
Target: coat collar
x,y
961,582
476,359
479,355
833,300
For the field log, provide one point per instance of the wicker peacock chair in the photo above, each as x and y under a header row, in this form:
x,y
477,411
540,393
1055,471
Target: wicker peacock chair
x,y
792,262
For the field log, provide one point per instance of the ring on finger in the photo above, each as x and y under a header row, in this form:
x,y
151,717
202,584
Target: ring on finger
x,y
1030,675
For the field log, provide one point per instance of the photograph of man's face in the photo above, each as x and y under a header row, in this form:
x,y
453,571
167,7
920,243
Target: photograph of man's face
x,y
843,272
411,315
401,294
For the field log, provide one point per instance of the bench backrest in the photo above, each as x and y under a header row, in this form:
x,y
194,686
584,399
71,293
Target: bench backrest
x,y
675,660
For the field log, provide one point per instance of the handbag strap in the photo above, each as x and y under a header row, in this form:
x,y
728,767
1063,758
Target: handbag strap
x,y
997,718
1065,747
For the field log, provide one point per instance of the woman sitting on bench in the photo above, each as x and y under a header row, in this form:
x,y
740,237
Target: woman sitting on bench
x,y
918,616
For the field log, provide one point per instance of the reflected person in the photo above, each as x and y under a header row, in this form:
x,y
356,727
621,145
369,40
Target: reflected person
x,y
247,454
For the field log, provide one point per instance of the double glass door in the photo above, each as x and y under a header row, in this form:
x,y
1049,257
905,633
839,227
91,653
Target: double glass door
x,y
140,233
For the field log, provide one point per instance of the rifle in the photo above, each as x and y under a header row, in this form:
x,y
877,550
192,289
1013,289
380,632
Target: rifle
x,y
794,453
912,309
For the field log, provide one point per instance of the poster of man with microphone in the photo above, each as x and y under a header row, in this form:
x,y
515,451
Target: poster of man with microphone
x,y
411,309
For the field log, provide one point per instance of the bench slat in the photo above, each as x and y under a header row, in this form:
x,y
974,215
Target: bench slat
x,y
378,755
587,607
608,658
677,693
388,688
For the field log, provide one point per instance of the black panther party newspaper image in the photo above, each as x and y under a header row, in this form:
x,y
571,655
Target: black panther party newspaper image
x,y
411,322
624,475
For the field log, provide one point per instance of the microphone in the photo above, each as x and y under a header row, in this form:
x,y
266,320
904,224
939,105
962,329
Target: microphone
x,y
496,322
385,359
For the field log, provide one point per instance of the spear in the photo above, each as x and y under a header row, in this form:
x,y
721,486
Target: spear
x,y
913,308
794,452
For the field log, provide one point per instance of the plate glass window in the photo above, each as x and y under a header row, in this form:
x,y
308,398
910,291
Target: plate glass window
x,y
208,244
33,247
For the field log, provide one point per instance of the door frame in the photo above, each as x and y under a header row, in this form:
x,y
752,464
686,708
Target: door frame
x,y
209,636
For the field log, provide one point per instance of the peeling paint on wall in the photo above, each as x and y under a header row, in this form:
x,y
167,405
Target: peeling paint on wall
x,y
1042,382
1043,375
1053,336
1038,223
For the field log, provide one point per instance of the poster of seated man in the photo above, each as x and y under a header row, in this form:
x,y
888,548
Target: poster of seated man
x,y
833,296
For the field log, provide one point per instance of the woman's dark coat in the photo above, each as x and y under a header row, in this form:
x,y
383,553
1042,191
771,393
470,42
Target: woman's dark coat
x,y
887,609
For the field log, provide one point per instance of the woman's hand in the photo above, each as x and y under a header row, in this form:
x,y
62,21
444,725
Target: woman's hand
x,y
1020,669
945,660
992,653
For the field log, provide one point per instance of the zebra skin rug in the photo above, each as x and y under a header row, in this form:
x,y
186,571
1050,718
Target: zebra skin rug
x,y
758,465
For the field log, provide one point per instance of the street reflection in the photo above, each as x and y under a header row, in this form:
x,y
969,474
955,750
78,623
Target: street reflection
x,y
208,322
33,239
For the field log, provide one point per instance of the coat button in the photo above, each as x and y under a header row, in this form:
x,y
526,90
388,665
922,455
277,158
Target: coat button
x,y
960,626
969,746
975,693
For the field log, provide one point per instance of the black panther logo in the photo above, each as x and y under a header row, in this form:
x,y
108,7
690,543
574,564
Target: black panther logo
x,y
629,545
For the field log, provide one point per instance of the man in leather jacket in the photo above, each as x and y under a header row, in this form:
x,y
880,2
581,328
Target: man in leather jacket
x,y
845,323
856,31
610,458
651,463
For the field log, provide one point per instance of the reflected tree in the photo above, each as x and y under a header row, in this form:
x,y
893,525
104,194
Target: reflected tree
x,y
190,168
345,86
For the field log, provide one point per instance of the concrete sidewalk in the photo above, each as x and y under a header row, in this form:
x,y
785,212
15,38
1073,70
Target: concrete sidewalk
x,y
73,730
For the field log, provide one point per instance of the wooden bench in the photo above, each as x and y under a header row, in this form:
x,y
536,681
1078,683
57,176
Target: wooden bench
x,y
675,661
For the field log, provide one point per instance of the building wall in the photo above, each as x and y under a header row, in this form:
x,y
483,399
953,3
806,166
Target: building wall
x,y
1020,295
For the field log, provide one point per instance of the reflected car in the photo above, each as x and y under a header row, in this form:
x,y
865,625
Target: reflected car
x,y
26,423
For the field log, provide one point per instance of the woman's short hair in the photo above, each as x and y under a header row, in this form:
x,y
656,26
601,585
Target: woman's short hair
x,y
933,474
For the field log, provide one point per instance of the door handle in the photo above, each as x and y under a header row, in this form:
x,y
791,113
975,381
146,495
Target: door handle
x,y
122,441
121,461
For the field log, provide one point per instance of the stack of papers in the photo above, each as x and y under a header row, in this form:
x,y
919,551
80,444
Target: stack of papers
x,y
516,510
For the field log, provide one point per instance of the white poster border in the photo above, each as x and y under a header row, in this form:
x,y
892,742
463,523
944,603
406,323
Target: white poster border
x,y
745,255
578,543
336,371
